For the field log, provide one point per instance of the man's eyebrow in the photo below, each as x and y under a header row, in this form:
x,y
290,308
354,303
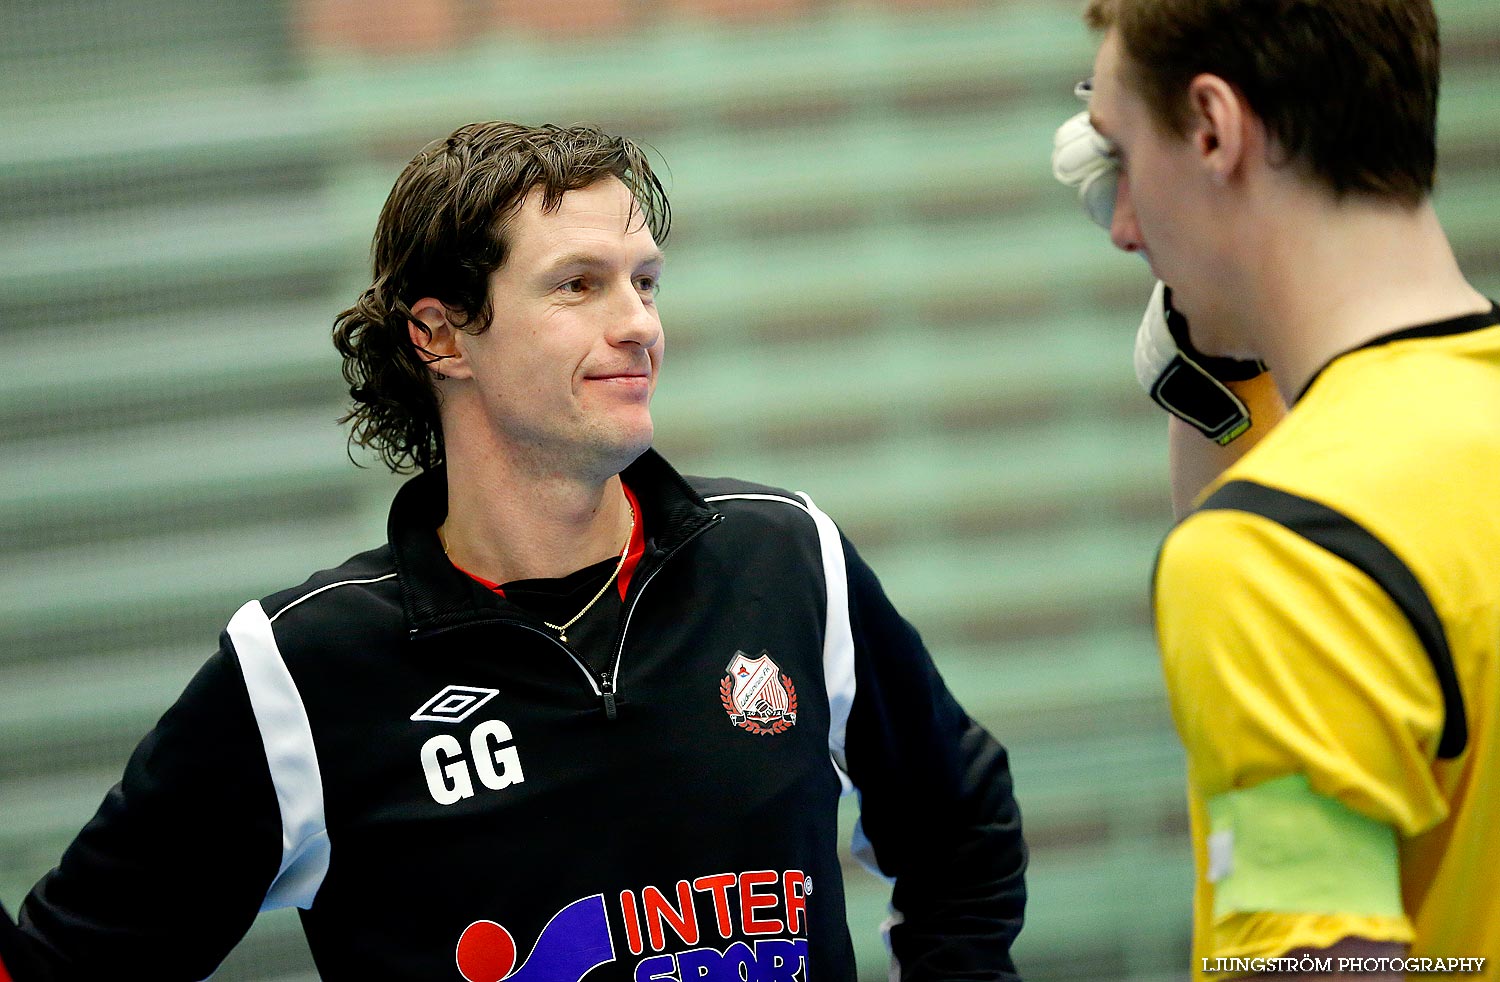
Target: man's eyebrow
x,y
591,260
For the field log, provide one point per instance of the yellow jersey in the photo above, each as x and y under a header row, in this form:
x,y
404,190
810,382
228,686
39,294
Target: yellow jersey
x,y
1329,620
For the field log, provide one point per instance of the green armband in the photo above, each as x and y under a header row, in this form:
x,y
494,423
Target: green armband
x,y
1280,847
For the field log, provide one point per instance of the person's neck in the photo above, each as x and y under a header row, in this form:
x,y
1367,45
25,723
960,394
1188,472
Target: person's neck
x,y
507,522
1331,276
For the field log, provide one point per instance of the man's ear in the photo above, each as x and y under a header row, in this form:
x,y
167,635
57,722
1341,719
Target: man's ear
x,y
436,339
1221,126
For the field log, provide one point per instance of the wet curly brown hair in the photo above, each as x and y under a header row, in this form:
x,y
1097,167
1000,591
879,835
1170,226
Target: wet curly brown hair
x,y
441,234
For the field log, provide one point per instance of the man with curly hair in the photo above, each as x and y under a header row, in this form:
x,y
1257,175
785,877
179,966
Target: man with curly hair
x,y
580,715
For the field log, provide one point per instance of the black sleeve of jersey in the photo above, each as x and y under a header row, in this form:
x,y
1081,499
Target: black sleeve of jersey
x,y
936,802
171,871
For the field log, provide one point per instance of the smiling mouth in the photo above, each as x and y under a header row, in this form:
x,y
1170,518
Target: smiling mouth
x,y
618,376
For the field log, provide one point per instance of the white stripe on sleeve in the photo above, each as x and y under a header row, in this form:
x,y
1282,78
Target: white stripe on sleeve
x,y
287,736
838,635
838,639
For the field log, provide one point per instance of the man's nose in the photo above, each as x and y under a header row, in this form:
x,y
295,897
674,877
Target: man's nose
x,y
1124,232
636,320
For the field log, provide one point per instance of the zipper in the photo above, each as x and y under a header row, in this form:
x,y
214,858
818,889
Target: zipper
x,y
609,680
607,690
605,686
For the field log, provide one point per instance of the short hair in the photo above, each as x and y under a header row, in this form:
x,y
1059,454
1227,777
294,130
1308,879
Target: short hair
x,y
1347,88
441,234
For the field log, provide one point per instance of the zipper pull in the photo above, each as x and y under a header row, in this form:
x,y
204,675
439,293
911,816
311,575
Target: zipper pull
x,y
607,690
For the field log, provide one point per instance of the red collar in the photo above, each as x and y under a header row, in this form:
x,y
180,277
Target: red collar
x,y
632,556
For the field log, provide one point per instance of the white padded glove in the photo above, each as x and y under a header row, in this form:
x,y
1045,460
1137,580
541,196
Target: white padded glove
x,y
1084,160
1183,381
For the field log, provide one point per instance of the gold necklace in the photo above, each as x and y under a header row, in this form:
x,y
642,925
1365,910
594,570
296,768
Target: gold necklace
x,y
562,629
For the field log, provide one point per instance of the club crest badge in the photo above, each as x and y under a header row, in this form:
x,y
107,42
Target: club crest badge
x,y
758,695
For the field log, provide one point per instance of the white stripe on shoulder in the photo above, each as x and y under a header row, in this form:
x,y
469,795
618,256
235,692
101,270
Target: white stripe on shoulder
x,y
757,496
838,635
321,589
287,736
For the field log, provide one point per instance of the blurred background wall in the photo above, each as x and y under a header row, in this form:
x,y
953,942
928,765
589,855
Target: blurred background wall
x,y
875,293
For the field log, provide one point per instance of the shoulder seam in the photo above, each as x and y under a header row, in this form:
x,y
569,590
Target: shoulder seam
x,y
759,496
329,586
1341,536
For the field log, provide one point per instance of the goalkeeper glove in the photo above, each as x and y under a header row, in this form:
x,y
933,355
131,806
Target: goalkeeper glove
x,y
1084,160
1182,380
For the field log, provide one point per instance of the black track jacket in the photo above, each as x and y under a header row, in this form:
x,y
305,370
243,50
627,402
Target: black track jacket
x,y
449,794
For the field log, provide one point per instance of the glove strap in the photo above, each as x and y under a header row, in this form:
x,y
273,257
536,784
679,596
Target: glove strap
x,y
1191,384
1191,394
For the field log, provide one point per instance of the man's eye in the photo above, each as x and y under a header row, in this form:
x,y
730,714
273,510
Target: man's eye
x,y
575,285
647,284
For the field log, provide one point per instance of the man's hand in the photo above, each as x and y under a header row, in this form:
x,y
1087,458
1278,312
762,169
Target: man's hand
x,y
1185,382
1084,160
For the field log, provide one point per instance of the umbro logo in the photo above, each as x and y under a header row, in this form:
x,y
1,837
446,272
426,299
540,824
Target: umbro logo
x,y
454,704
